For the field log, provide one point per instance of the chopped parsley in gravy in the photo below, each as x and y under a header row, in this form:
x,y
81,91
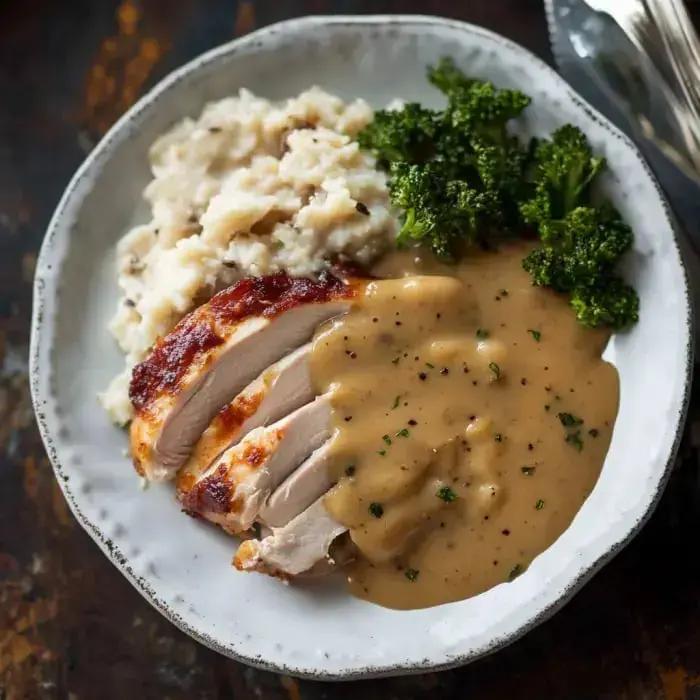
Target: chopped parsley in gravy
x,y
481,416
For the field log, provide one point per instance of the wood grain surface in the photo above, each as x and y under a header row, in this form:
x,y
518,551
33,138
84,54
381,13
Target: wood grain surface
x,y
70,625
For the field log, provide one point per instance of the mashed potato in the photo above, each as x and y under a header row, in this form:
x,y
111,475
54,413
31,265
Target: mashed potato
x,y
250,188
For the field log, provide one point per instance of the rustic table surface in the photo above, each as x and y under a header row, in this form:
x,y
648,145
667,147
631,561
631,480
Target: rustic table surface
x,y
70,625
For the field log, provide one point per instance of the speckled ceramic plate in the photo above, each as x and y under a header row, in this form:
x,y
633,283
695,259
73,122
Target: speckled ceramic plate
x,y
181,566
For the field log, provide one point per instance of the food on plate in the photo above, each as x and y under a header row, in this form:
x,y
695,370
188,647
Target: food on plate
x,y
385,355
250,188
278,390
462,179
214,352
471,420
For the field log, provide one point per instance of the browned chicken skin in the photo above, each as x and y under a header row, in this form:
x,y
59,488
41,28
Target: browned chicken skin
x,y
225,403
214,352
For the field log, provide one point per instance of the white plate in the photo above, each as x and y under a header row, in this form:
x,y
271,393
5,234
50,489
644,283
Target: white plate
x,y
181,566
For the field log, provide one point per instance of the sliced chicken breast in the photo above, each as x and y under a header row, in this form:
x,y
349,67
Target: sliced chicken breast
x,y
214,352
293,549
233,490
299,490
279,390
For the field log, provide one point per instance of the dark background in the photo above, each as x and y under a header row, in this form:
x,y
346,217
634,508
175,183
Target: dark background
x,y
70,625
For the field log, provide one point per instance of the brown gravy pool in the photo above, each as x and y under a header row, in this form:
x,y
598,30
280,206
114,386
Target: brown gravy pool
x,y
450,390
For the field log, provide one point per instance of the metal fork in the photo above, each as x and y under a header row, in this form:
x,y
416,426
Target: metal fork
x,y
670,50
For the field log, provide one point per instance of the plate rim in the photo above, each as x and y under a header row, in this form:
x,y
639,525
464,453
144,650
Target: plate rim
x,y
40,373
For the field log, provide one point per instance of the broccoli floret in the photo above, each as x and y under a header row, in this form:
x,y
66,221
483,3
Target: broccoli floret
x,y
611,302
444,216
501,171
461,179
484,110
564,168
579,255
577,250
543,266
471,211
407,134
499,167
447,78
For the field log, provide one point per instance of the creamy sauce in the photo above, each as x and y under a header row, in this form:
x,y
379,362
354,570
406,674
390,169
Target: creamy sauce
x,y
457,394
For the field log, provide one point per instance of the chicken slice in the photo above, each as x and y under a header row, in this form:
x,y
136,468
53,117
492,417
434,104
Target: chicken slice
x,y
293,549
299,490
279,390
214,352
235,487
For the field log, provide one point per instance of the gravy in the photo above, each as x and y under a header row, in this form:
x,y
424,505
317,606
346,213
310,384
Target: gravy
x,y
471,418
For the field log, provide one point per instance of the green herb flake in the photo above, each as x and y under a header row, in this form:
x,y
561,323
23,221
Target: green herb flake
x,y
498,437
446,494
539,505
504,292
594,432
411,574
515,572
482,334
403,433
381,453
528,470
428,364
395,361
386,439
396,402
376,510
495,369
547,407
535,334
574,439
568,420
350,470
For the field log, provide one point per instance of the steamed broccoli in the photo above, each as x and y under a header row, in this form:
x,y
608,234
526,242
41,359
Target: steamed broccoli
x,y
483,111
564,168
461,179
578,256
456,174
406,135
584,245
584,251
447,78
611,302
581,244
443,215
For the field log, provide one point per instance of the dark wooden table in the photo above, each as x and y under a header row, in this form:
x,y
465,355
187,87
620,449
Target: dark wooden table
x,y
70,625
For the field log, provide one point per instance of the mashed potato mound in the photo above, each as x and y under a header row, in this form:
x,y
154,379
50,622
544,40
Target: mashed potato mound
x,y
251,187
